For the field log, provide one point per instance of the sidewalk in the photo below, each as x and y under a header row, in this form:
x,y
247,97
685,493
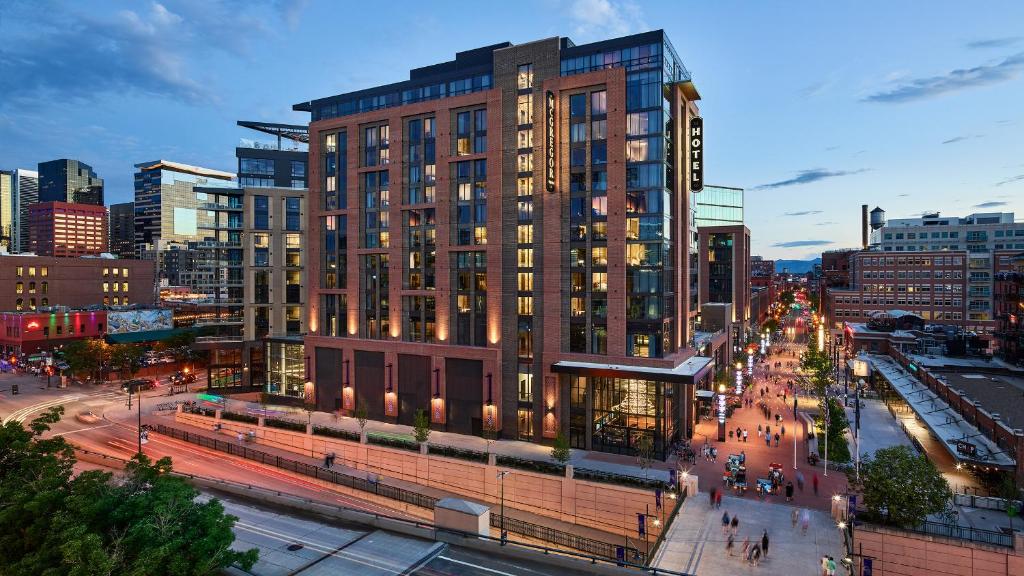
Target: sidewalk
x,y
530,517
758,454
599,461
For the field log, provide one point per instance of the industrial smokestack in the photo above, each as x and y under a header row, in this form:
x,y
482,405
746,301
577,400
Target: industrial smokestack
x,y
864,226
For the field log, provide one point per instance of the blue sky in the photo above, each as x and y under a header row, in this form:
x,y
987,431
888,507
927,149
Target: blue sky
x,y
814,108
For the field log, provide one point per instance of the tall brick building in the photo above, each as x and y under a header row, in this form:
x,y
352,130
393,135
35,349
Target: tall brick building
x,y
66,229
504,240
28,283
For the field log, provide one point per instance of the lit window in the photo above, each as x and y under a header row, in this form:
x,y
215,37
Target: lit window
x,y
525,138
525,108
525,76
525,186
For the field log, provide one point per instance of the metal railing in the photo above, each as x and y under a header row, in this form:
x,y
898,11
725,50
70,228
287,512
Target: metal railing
x,y
539,532
565,539
965,533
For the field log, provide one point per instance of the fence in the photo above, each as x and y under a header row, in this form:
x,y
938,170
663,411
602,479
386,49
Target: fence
x,y
965,533
539,532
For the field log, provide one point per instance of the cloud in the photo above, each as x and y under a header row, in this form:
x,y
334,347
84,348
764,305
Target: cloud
x,y
902,195
814,89
829,223
808,177
994,42
1011,180
605,18
952,81
990,204
803,213
799,243
57,53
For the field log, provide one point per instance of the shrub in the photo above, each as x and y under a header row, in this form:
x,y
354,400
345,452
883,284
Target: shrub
x,y
451,452
532,465
620,479
399,443
235,416
336,433
285,424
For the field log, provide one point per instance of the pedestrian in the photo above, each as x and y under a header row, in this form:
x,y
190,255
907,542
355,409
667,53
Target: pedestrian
x,y
794,516
767,440
746,546
714,454
743,457
831,566
789,491
240,438
805,521
764,543
824,566
718,499
744,434
729,544
815,482
755,555
800,480
725,522
783,430
738,431
768,430
759,430
776,439
735,524
711,497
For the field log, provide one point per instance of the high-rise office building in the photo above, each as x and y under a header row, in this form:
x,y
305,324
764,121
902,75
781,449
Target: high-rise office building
x,y
169,209
719,206
67,180
66,229
725,273
26,193
506,241
277,164
122,229
7,210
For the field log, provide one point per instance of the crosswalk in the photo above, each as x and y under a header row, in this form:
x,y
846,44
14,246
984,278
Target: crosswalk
x,y
22,414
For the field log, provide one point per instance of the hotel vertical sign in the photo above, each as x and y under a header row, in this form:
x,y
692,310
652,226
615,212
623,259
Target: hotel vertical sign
x,y
549,137
696,154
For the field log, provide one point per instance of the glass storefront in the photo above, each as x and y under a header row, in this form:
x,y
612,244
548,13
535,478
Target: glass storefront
x,y
622,415
286,369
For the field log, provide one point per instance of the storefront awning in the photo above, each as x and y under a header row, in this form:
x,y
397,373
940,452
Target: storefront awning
x,y
687,372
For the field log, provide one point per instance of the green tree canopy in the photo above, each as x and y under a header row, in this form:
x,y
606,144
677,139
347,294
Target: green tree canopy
x,y
787,297
901,487
126,359
54,522
560,450
86,357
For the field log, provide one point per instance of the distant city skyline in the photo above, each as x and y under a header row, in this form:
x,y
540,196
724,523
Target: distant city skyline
x,y
814,110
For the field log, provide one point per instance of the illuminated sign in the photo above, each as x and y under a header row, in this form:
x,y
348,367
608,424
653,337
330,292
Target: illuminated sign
x,y
966,448
696,154
739,382
750,364
721,408
861,368
549,136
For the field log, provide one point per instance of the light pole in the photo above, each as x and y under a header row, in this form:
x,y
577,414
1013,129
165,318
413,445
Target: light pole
x,y
795,427
501,478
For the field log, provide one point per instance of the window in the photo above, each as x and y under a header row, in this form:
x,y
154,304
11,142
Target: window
x,y
292,214
599,130
19,288
525,138
298,169
261,212
525,162
260,166
577,105
598,103
525,108
524,186
525,76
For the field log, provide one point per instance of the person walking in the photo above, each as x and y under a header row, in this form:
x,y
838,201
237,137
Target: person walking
x,y
824,566
794,516
764,543
746,546
831,566
776,439
743,456
711,497
815,482
789,491
800,480
725,522
783,430
805,521
759,430
735,524
718,499
745,434
729,543
767,440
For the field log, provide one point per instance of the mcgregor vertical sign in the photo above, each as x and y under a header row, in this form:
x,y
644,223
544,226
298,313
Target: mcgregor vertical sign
x,y
549,137
696,154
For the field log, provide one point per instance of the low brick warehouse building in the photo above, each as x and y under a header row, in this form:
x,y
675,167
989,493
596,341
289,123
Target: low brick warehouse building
x,y
28,283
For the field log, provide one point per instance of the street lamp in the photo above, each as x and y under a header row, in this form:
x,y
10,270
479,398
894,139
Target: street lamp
x,y
501,478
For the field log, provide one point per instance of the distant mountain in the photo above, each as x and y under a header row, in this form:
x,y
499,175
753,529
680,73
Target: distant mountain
x,y
796,266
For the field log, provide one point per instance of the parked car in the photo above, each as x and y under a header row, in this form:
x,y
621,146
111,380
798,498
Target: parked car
x,y
183,378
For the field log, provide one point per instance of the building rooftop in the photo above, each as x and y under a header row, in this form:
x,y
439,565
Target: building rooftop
x,y
185,168
472,70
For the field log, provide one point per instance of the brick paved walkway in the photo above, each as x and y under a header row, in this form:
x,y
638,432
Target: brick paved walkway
x,y
758,455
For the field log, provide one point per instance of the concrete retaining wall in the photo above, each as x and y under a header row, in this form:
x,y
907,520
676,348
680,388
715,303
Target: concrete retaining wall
x,y
602,506
901,553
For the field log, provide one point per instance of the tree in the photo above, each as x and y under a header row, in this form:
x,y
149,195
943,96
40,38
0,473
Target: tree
x,y
360,414
85,357
489,434
771,325
838,449
421,426
53,521
902,488
126,359
787,298
560,450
